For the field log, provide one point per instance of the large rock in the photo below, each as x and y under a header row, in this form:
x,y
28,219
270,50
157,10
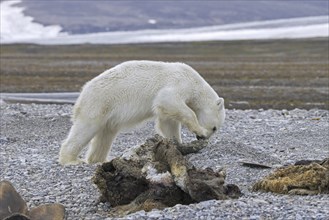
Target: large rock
x,y
13,207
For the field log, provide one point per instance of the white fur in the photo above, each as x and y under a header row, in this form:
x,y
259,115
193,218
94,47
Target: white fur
x,y
158,178
134,91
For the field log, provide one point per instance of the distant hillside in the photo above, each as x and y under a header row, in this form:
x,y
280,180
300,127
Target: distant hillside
x,y
77,16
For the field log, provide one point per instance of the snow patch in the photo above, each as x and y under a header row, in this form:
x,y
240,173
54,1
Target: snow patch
x,y
16,26
152,21
19,28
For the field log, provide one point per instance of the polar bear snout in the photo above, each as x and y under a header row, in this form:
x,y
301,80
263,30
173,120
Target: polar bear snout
x,y
200,137
206,135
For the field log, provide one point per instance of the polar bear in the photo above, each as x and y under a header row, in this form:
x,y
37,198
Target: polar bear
x,y
132,92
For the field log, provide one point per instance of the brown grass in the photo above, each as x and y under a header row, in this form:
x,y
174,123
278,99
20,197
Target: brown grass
x,y
248,74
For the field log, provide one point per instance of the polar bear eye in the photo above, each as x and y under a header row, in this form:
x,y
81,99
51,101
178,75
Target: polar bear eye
x,y
214,129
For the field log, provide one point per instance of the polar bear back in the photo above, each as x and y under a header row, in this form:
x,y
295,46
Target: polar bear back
x,y
155,75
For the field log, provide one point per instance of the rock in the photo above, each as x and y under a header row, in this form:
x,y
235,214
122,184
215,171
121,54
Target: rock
x,y
13,207
48,212
10,201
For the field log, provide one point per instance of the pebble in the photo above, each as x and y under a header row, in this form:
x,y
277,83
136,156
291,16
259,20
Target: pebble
x,y
31,135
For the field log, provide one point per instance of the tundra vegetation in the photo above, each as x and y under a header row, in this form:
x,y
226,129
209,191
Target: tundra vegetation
x,y
248,74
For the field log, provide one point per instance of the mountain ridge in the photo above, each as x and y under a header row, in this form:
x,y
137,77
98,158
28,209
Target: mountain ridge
x,y
78,17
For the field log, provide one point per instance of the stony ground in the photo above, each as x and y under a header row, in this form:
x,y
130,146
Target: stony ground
x,y
31,136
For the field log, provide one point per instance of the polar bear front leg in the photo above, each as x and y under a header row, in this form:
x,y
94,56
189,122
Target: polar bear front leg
x,y
169,128
101,145
179,111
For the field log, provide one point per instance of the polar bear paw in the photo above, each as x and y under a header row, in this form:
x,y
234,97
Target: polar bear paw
x,y
65,161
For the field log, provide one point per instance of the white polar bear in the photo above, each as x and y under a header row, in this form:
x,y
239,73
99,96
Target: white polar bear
x,y
134,91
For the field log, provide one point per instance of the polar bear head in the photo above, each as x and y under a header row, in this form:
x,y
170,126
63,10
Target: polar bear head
x,y
212,116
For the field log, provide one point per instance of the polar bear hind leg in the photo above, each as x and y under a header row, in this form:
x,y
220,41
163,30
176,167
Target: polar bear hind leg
x,y
79,136
169,128
101,145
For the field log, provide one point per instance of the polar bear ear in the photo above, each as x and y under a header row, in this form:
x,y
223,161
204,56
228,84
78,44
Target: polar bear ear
x,y
220,103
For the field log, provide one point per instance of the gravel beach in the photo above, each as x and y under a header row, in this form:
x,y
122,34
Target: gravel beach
x,y
31,135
